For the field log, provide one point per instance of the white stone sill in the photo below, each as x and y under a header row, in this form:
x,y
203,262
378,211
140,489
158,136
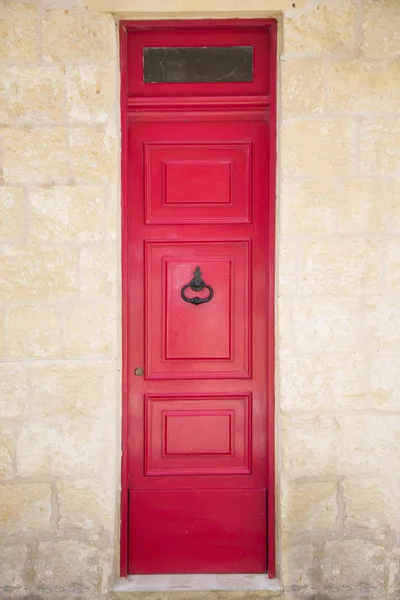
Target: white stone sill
x,y
197,583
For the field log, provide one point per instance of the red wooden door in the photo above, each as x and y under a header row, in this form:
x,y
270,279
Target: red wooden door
x,y
198,297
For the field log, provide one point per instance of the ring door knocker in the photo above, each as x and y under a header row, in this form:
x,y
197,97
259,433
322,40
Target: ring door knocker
x,y
197,284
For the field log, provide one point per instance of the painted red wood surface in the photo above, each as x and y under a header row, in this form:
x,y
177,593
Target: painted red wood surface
x,y
198,189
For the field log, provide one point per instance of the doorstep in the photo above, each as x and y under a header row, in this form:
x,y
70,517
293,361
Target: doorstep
x,y
198,586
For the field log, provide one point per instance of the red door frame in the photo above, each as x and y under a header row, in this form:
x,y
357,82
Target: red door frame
x,y
270,366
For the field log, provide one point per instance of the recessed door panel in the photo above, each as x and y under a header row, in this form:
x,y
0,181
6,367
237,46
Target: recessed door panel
x,y
189,435
197,183
206,340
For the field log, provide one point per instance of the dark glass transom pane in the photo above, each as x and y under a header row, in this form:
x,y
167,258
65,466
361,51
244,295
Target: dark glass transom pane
x,y
212,64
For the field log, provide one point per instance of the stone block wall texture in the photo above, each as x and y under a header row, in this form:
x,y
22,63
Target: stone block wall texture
x,y
338,300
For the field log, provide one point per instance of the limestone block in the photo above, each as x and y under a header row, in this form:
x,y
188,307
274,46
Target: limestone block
x,y
17,32
308,206
363,86
394,574
31,94
325,323
395,212
368,445
93,155
327,382
67,447
308,445
393,266
309,509
284,325
341,266
91,92
317,147
98,271
32,331
380,32
321,28
364,207
66,213
302,86
7,442
35,155
344,575
385,381
382,321
86,36
297,569
12,215
371,504
13,390
13,560
90,328
75,390
67,566
98,501
112,212
380,147
25,507
286,268
32,272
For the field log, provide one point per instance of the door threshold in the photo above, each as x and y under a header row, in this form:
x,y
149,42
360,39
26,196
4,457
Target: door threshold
x,y
199,583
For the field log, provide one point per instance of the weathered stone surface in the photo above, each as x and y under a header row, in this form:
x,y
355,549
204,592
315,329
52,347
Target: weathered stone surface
x,y
67,565
284,330
86,36
309,509
113,217
380,147
17,32
93,155
326,382
31,94
321,28
382,321
98,499
66,213
76,390
379,82
67,447
90,329
35,155
326,324
11,209
385,381
302,83
91,93
344,575
305,147
13,390
31,272
13,560
98,271
308,207
25,507
364,207
380,33
308,445
347,266
371,505
32,331
394,226
7,443
393,266
287,256
298,568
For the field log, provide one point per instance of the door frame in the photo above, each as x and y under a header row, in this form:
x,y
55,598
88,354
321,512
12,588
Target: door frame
x,y
271,229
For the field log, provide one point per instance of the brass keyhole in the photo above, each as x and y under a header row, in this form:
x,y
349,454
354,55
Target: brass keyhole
x,y
138,371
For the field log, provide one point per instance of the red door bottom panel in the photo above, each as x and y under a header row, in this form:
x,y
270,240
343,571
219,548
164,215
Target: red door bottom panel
x,y
207,531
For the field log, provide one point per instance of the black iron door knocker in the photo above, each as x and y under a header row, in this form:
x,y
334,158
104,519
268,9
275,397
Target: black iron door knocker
x,y
197,284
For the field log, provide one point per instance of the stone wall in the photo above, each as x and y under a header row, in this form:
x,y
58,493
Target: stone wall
x,y
338,318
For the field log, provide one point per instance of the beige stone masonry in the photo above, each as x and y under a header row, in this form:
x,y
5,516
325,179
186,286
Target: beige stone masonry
x,y
337,297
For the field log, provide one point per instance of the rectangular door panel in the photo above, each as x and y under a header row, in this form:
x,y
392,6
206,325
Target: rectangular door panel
x,y
189,435
208,531
186,340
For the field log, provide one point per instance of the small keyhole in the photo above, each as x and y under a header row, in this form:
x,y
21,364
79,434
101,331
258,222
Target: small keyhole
x,y
138,371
